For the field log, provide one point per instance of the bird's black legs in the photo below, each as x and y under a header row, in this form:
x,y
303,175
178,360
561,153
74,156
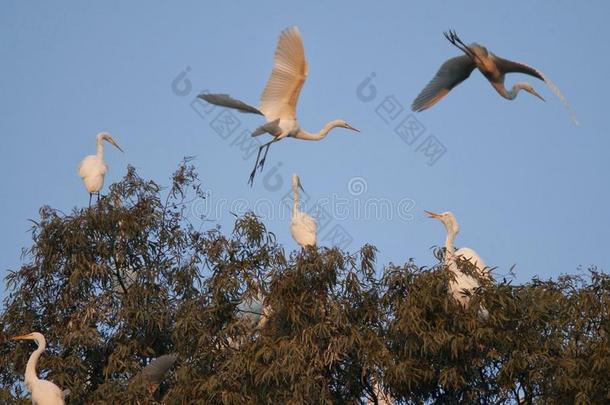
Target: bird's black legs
x,y
457,42
261,162
91,196
457,39
251,180
472,54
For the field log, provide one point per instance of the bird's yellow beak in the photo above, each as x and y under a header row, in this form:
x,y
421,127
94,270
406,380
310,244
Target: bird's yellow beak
x,y
432,214
115,144
535,93
22,337
348,126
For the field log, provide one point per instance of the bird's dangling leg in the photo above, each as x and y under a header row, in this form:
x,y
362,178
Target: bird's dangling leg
x,y
261,162
90,195
98,196
277,138
253,173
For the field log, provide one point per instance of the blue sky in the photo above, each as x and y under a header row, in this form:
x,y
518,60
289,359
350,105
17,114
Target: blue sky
x,y
528,187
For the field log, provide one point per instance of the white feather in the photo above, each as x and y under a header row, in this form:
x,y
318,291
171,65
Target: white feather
x,y
46,393
92,170
303,229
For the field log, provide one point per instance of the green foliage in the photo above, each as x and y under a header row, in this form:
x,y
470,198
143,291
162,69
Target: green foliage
x,y
130,279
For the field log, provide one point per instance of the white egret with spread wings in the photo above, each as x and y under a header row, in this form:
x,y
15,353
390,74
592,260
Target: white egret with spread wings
x,y
278,102
455,70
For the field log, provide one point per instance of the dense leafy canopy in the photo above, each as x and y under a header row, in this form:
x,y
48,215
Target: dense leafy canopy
x,y
131,279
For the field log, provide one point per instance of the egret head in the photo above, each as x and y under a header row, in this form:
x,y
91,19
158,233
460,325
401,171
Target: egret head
x,y
448,219
344,124
527,87
105,136
36,336
296,182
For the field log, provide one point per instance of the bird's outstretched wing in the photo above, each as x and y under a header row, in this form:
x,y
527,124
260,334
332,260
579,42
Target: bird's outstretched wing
x,y
281,94
452,72
509,66
224,100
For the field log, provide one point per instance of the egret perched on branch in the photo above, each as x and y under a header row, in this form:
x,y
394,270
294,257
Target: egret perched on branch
x,y
302,226
254,311
43,392
457,69
462,282
93,168
279,99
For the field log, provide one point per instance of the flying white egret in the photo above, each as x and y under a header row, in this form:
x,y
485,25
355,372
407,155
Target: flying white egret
x,y
302,226
279,99
457,69
462,282
43,392
93,168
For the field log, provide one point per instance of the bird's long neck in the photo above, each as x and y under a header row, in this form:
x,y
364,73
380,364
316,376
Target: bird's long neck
x,y
508,94
30,369
321,134
295,200
100,149
449,247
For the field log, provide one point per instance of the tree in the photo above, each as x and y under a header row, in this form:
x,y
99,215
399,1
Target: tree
x,y
131,278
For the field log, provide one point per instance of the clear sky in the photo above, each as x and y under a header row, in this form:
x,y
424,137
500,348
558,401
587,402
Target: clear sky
x,y
528,187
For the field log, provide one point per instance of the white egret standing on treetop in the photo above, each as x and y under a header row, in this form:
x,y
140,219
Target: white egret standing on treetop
x,y
93,168
302,226
462,282
280,97
43,392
